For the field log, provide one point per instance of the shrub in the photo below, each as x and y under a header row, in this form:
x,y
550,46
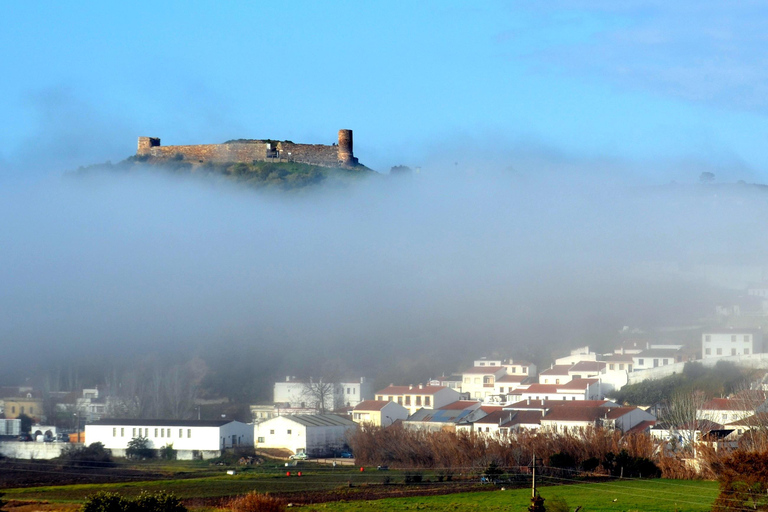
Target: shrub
x,y
139,448
590,464
562,460
156,502
94,455
255,502
144,502
167,452
413,477
104,502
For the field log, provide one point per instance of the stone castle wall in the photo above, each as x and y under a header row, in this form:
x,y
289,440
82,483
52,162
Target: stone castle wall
x,y
247,152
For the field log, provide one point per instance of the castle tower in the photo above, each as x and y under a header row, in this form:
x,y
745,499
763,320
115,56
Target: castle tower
x,y
146,143
346,156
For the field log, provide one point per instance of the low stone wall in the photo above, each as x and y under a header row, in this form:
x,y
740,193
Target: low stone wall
x,y
218,153
31,450
750,361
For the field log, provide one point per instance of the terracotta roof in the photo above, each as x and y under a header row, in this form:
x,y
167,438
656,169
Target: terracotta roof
x,y
460,404
641,427
577,384
517,379
542,388
408,390
571,413
546,404
488,409
558,369
484,370
587,366
619,358
669,353
759,419
371,405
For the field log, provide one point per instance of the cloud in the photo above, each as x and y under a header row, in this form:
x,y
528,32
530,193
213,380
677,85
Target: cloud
x,y
708,52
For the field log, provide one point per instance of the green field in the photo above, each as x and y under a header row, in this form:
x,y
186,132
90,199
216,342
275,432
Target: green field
x,y
630,495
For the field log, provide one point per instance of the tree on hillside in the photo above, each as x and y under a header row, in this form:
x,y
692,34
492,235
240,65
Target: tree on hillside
x,y
707,177
743,478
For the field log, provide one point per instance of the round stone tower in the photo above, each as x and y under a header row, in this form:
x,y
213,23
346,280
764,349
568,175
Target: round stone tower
x,y
346,156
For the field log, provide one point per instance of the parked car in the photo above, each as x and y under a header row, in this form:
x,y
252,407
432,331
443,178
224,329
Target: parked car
x,y
25,437
345,455
382,468
299,456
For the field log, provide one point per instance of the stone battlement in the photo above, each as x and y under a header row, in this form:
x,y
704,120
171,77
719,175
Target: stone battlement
x,y
248,151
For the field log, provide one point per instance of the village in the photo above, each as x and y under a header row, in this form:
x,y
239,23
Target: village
x,y
312,417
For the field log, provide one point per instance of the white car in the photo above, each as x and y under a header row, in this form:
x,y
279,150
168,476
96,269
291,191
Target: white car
x,y
299,456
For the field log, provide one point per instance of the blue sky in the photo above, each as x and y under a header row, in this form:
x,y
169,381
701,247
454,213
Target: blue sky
x,y
661,91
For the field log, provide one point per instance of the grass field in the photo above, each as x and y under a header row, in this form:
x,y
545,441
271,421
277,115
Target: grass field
x,y
630,495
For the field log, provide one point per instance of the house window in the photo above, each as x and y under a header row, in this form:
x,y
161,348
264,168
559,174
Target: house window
x,y
557,381
611,366
260,440
13,409
708,351
733,351
114,431
427,401
418,400
746,339
354,391
482,364
514,369
621,366
629,367
641,362
400,400
525,369
271,432
122,432
390,398
707,338
655,363
492,364
289,431
477,380
155,432
31,410
719,351
665,362
408,400
133,432
466,380
733,338
349,391
501,389
725,416
22,409
162,432
181,433
146,432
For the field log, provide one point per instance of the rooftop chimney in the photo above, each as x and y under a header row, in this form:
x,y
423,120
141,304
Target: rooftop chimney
x,y
528,401
410,386
421,386
287,378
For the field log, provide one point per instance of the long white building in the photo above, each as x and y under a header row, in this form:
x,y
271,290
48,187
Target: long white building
x,y
190,438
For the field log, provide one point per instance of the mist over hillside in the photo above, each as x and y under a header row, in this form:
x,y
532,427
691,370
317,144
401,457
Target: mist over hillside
x,y
394,277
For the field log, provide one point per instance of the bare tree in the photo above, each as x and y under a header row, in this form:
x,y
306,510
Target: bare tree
x,y
321,394
681,415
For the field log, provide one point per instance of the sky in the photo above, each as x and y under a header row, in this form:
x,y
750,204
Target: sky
x,y
668,90
546,133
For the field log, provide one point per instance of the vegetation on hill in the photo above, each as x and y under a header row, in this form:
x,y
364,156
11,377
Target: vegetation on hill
x,y
721,380
265,175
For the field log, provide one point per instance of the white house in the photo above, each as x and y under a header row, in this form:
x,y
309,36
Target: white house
x,y
190,438
480,381
556,374
503,422
313,434
576,355
655,357
417,397
379,413
579,389
731,342
738,407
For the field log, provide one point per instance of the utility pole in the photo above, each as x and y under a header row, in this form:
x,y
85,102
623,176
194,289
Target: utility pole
x,y
537,502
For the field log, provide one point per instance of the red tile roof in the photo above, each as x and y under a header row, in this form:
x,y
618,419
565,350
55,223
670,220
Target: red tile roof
x,y
731,404
546,404
517,379
408,390
371,405
577,384
484,370
587,366
641,427
558,369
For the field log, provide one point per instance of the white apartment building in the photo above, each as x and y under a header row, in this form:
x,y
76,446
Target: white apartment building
x,y
731,342
299,393
417,397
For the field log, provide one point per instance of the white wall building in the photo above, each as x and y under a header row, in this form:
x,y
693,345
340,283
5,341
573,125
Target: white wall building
x,y
299,393
191,438
417,397
480,381
315,434
731,342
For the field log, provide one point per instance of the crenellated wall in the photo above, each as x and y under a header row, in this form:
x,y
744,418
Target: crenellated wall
x,y
256,150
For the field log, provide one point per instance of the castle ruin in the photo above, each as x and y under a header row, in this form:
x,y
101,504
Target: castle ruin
x,y
248,151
